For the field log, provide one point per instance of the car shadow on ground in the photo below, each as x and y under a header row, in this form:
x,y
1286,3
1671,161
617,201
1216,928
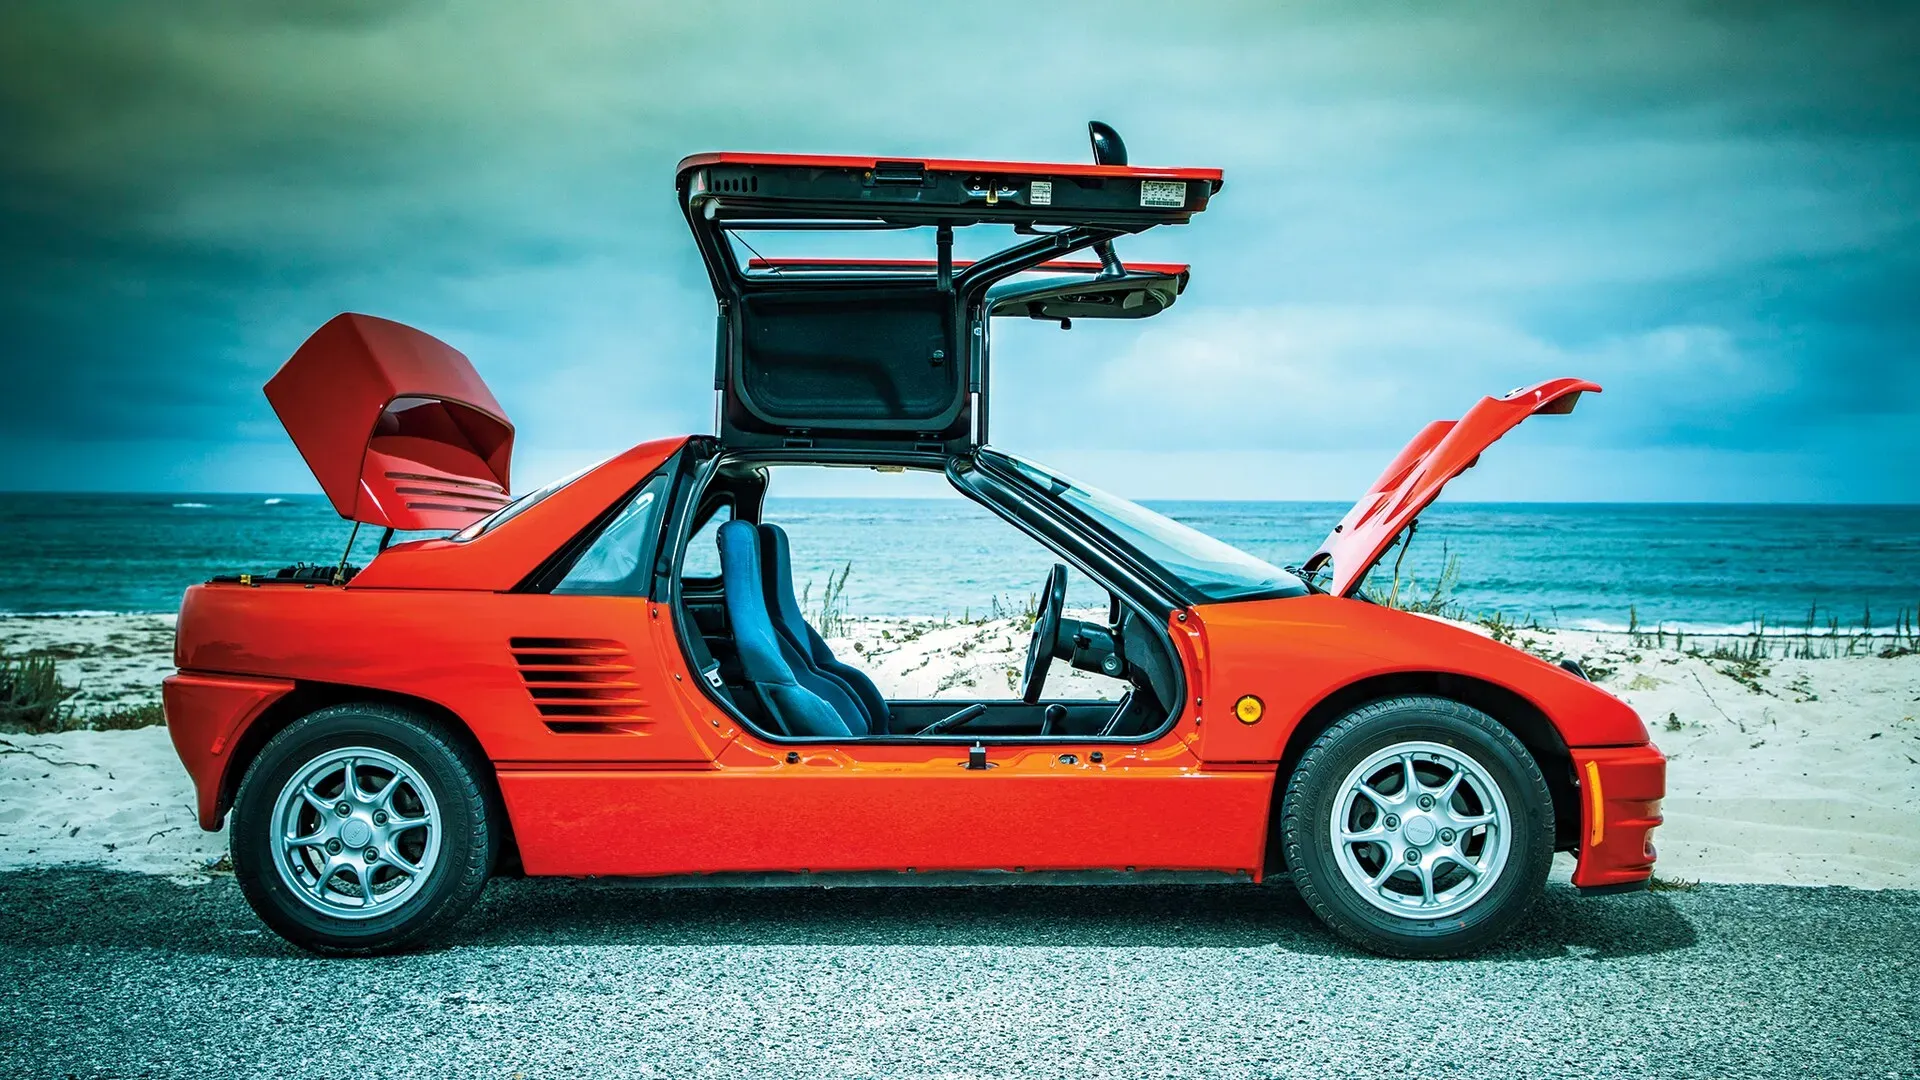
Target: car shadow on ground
x,y
100,909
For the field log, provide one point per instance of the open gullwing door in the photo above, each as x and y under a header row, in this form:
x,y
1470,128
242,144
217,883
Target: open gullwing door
x,y
868,354
1441,451
395,424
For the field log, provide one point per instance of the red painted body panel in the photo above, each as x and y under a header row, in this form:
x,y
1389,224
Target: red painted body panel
x,y
1441,451
500,558
832,161
455,650
205,715
661,781
1616,834
847,808
395,424
1293,653
1078,266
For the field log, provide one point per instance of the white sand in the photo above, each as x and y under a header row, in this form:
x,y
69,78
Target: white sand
x,y
1793,771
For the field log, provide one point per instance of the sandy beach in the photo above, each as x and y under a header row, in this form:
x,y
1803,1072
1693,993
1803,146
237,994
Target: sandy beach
x,y
1790,771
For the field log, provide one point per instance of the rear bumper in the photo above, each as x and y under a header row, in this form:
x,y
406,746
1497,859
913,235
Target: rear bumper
x,y
1620,792
205,717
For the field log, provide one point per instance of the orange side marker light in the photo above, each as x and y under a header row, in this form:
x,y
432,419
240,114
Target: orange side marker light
x,y
1597,806
1249,709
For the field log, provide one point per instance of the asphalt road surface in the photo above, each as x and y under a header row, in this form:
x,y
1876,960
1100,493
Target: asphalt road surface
x,y
116,975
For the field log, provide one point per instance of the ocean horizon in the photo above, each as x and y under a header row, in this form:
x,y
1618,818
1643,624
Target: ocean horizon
x,y
1694,567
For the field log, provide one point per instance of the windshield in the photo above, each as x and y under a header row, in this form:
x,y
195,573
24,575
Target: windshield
x,y
1216,570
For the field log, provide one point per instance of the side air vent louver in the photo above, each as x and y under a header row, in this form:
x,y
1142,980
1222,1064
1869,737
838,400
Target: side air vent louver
x,y
580,684
424,492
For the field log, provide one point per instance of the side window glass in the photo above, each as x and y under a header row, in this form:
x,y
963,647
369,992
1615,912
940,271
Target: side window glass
x,y
620,561
703,551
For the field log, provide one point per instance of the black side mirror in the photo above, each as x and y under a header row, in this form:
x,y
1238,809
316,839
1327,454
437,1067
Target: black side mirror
x,y
1107,150
1107,147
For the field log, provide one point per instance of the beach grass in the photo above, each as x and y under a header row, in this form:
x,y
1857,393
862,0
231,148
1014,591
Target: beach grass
x,y
125,717
1813,639
32,697
34,700
829,615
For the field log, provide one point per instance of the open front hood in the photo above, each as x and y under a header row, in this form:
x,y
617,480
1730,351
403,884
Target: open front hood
x,y
1443,450
395,424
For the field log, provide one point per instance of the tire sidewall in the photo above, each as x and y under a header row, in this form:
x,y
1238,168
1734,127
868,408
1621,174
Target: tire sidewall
x,y
1307,826
463,823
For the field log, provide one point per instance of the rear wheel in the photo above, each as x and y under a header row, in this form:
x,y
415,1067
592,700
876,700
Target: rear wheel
x,y
362,829
1418,826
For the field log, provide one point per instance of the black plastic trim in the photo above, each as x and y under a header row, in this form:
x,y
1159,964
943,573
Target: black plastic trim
x,y
1621,889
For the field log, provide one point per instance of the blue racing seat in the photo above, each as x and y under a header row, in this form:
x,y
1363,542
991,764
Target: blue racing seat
x,y
800,700
789,623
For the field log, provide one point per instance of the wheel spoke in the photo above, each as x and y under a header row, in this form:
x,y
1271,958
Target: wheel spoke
x,y
1388,868
1444,796
1379,799
365,874
1474,821
1410,785
401,863
1459,859
384,797
327,873
350,784
314,800
400,824
1425,872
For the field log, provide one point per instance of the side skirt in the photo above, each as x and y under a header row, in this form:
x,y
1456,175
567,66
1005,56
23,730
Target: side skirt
x,y
895,879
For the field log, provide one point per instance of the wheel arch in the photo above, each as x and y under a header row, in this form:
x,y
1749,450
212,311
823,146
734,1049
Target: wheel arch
x,y
308,697
1528,722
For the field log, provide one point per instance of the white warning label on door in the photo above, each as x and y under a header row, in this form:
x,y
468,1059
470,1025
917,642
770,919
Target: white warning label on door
x,y
1163,193
1041,194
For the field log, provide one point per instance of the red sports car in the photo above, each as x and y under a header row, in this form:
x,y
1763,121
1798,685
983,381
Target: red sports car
x,y
554,686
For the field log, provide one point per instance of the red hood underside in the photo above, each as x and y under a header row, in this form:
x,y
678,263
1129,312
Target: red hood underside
x,y
1441,451
395,424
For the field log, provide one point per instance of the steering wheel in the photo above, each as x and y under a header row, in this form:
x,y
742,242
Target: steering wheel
x,y
1046,631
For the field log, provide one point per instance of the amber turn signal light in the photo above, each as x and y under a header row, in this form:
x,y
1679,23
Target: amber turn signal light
x,y
1249,709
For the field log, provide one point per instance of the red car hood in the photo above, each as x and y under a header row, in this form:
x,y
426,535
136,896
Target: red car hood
x,y
1443,450
395,424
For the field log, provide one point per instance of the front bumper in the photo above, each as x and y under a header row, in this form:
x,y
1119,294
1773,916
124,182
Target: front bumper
x,y
1620,792
206,715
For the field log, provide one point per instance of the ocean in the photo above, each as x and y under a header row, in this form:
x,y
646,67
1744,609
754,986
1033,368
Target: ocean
x,y
1696,567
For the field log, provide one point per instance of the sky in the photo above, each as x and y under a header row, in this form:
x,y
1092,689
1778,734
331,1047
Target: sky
x,y
1711,210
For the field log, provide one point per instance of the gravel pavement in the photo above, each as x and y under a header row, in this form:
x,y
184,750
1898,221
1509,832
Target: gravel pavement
x,y
106,974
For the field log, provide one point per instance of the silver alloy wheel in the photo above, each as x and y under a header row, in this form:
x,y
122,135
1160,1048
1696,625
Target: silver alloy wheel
x,y
356,832
1420,830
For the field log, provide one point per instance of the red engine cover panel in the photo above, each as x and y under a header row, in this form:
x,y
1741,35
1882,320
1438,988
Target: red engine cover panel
x,y
396,425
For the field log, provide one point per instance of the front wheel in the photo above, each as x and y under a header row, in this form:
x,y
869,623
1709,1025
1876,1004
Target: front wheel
x,y
362,829
1418,827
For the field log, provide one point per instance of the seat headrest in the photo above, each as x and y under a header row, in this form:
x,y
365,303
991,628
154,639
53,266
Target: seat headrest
x,y
740,577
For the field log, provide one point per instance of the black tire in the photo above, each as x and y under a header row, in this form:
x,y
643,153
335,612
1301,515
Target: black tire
x,y
1306,826
469,836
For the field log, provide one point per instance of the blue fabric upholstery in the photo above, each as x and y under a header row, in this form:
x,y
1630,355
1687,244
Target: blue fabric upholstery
x,y
777,563
764,657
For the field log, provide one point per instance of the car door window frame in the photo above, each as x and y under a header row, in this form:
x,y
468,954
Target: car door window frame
x,y
1057,536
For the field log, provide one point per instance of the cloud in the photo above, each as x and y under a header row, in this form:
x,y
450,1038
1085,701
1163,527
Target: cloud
x,y
1714,210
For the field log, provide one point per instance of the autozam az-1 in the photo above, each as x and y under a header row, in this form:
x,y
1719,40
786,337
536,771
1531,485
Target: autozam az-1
x,y
553,686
